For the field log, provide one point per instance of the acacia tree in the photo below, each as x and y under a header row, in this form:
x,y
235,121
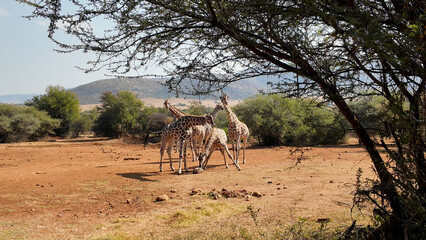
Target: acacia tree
x,y
336,49
275,120
59,103
118,114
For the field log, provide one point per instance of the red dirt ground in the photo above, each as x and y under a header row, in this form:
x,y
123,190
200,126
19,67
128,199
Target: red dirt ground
x,y
106,189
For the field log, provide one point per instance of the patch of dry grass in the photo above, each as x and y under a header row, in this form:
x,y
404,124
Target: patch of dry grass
x,y
225,219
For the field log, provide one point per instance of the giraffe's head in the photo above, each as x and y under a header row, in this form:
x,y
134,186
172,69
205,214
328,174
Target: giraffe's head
x,y
166,103
219,106
224,99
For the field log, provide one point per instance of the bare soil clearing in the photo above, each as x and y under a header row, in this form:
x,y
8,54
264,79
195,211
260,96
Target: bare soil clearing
x,y
106,189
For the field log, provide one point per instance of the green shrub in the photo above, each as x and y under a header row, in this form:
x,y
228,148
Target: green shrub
x,y
373,113
197,109
152,119
276,120
118,114
19,123
222,120
84,123
60,104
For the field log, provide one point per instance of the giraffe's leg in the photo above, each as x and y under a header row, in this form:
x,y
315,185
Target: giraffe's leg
x,y
224,158
193,146
244,148
184,157
234,151
169,152
163,146
180,156
230,156
208,157
198,145
161,156
238,143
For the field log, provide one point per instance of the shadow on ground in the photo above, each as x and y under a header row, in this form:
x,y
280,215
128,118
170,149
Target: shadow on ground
x,y
138,176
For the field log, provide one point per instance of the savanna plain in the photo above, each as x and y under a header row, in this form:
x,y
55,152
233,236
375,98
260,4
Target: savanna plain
x,y
91,188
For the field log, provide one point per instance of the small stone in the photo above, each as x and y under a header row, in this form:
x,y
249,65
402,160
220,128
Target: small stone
x,y
194,192
269,182
256,194
173,191
214,195
331,181
129,201
162,198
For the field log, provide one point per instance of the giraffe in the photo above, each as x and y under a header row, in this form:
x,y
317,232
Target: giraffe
x,y
197,133
179,130
207,127
216,140
237,130
200,132
177,114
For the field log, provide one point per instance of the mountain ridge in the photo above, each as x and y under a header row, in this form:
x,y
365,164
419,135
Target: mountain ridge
x,y
91,93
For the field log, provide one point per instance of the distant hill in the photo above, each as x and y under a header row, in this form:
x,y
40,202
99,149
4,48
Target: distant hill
x,y
152,88
16,98
146,88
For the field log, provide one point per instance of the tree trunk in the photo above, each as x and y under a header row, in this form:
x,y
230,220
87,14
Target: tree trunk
x,y
384,175
305,69
418,147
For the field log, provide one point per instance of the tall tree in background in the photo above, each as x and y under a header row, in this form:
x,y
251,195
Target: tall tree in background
x,y
59,103
118,114
336,49
276,120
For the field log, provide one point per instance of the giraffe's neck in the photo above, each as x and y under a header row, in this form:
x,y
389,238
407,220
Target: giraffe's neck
x,y
208,143
208,146
216,111
232,118
176,112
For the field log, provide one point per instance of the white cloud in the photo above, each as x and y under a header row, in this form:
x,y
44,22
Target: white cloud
x,y
4,13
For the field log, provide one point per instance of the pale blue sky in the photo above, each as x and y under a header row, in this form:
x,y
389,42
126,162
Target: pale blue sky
x,y
28,63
